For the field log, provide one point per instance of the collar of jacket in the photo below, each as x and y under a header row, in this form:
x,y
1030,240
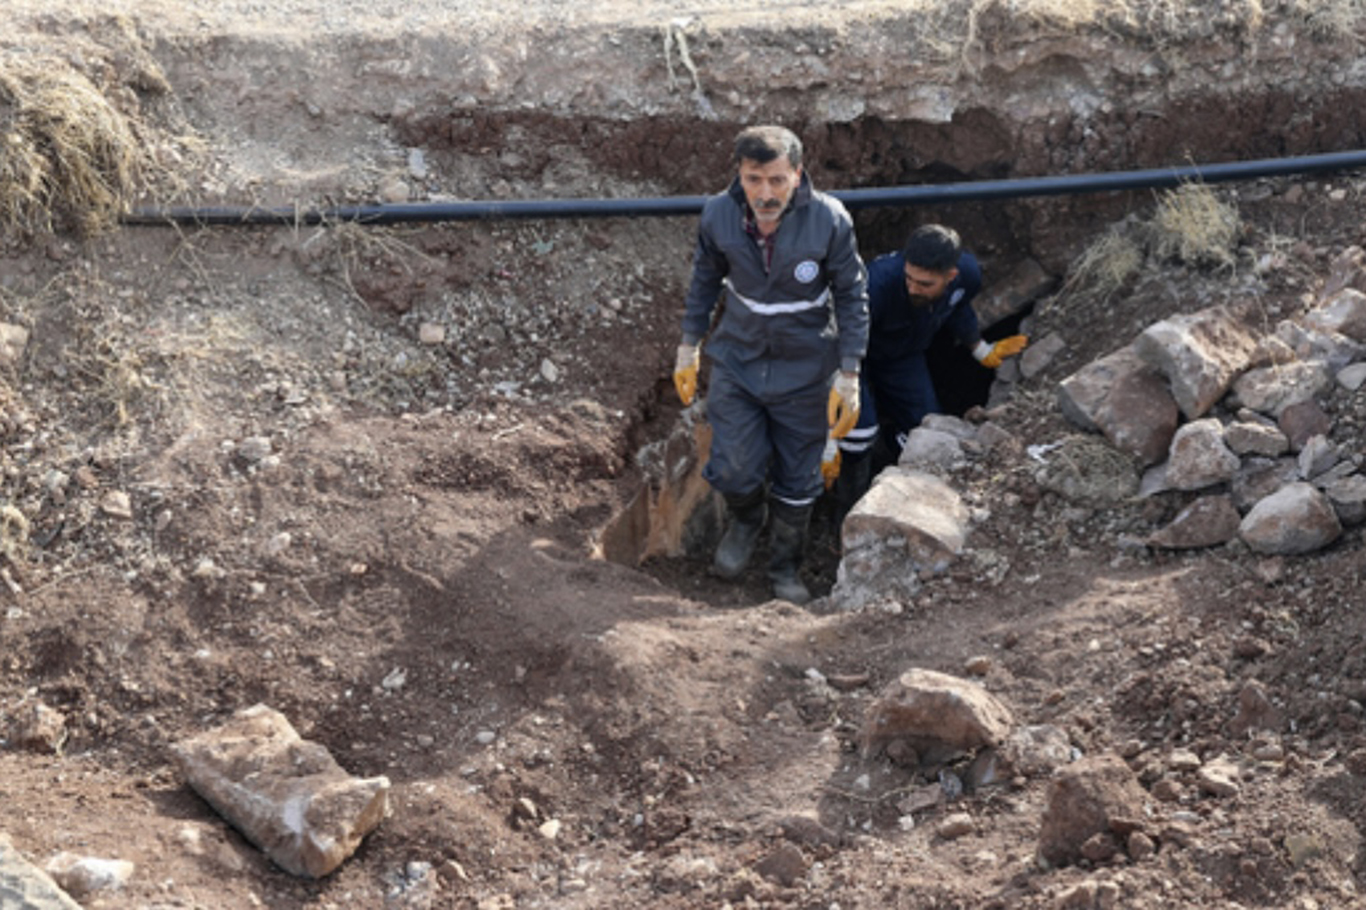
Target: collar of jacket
x,y
800,197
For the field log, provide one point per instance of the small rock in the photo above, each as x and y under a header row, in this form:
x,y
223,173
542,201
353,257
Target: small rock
x,y
116,504
1218,778
1140,846
278,543
39,728
955,826
393,190
254,448
977,666
785,865
82,875
1167,791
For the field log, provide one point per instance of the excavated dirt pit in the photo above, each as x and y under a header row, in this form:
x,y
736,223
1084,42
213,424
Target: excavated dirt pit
x,y
381,479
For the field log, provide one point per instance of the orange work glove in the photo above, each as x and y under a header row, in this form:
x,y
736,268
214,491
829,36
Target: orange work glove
x,y
991,355
685,373
830,462
842,410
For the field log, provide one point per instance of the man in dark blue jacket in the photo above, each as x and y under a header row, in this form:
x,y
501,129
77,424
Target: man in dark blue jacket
x,y
785,351
927,287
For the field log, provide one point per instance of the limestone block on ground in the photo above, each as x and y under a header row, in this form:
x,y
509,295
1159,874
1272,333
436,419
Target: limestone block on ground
x,y
23,886
947,423
908,522
1201,354
1347,270
1295,519
1270,390
1207,522
1250,437
1097,797
1198,457
286,794
82,875
1308,343
1126,399
1343,313
931,448
936,715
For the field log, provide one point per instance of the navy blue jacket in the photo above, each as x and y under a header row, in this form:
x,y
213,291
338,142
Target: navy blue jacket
x,y
899,329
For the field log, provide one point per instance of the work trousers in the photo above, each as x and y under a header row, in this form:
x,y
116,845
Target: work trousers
x,y
763,433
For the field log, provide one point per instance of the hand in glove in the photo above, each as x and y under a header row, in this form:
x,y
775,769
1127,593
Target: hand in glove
x,y
842,411
685,373
991,355
830,462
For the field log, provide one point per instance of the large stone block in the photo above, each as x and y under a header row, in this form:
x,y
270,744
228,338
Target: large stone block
x,y
909,522
1096,798
1124,398
23,886
1295,519
936,715
1201,354
285,794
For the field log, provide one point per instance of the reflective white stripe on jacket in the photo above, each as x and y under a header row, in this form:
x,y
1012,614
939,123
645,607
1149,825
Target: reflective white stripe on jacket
x,y
777,308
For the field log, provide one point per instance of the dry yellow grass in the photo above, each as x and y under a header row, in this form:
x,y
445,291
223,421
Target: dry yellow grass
x,y
68,157
1194,225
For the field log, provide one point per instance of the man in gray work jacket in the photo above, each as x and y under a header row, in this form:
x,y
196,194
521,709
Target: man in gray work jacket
x,y
785,351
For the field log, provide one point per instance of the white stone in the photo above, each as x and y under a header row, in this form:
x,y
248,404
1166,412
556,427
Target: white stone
x,y
82,875
287,795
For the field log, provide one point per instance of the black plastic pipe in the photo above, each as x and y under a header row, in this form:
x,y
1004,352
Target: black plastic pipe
x,y
920,194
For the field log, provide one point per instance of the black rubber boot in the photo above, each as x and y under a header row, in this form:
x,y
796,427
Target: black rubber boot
x,y
856,476
786,543
747,515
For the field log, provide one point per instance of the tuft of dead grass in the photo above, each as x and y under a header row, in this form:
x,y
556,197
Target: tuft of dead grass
x,y
68,157
1194,225
1331,19
1107,265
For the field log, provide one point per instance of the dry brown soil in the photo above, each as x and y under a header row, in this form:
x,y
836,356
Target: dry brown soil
x,y
414,565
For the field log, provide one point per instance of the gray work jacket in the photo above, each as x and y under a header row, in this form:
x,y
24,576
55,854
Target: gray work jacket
x,y
794,323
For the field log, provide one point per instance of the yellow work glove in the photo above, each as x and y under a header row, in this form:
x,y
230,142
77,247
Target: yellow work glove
x,y
685,373
991,355
842,411
830,462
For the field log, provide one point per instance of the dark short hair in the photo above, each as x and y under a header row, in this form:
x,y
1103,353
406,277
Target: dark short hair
x,y
934,247
765,143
